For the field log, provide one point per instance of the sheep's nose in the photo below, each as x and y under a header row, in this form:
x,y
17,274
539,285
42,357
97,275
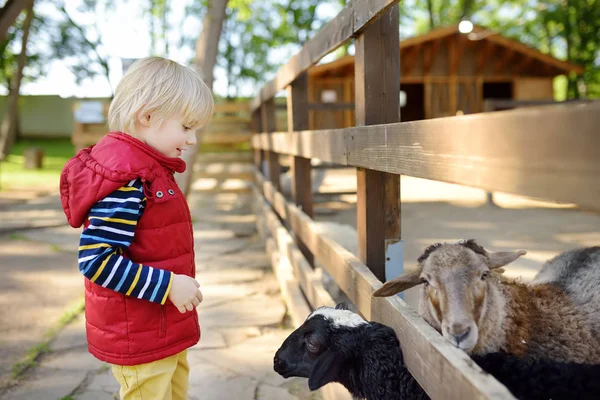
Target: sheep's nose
x,y
278,363
459,332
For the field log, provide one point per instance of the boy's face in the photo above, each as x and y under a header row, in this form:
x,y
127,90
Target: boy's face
x,y
171,137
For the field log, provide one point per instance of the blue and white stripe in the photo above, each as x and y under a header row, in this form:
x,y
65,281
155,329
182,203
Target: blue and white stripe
x,y
111,230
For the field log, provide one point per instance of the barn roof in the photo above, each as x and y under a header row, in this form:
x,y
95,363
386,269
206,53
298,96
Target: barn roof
x,y
556,66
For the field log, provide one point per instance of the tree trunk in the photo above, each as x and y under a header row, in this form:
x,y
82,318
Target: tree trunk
x,y
572,89
430,9
207,48
152,28
94,46
9,14
10,123
165,26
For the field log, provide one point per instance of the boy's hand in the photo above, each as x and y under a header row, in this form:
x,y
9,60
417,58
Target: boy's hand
x,y
184,293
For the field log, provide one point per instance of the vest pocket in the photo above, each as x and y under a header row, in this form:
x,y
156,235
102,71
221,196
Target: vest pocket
x,y
163,322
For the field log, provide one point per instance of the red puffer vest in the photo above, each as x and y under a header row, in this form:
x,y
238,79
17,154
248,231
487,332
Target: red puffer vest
x,y
123,330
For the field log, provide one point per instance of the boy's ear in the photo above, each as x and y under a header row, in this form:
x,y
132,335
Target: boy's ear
x,y
326,369
144,119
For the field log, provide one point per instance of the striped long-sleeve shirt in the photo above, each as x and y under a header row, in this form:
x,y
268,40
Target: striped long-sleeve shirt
x,y
110,232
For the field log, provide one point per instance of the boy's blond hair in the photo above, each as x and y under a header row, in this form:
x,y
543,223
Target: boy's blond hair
x,y
163,89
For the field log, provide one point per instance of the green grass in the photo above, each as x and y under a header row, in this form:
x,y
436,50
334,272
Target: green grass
x,y
13,175
30,360
17,236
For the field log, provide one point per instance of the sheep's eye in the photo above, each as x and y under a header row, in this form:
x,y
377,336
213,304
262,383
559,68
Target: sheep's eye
x,y
311,346
485,275
424,281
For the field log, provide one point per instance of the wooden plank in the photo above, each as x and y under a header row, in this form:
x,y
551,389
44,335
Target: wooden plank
x,y
443,79
225,138
300,168
347,105
515,45
329,145
347,24
366,12
444,371
411,60
308,279
499,104
522,65
305,278
377,78
504,60
456,48
232,120
259,155
231,107
290,290
431,36
267,116
268,124
291,293
430,52
483,55
525,151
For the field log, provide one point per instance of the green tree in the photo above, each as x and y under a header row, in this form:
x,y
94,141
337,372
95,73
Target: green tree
x,y
574,24
80,46
158,14
565,29
10,48
258,37
10,123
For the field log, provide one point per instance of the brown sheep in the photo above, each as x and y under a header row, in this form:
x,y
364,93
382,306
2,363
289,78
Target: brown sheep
x,y
480,311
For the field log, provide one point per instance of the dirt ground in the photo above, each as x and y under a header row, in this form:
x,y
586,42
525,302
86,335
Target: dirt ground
x,y
40,282
40,279
434,211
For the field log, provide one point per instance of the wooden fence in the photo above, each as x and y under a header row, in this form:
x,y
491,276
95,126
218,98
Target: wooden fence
x,y
545,152
230,127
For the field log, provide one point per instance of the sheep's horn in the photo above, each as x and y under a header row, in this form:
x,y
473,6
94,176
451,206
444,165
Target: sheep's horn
x,y
399,284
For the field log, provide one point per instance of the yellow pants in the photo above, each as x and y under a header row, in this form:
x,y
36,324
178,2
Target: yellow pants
x,y
165,379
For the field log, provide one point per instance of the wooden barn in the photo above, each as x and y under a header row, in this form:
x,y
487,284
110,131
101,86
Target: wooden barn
x,y
442,73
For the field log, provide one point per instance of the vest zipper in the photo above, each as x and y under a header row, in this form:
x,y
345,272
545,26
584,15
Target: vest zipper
x,y
163,321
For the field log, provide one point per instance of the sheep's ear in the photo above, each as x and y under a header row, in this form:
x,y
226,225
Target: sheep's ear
x,y
399,284
501,259
342,306
326,369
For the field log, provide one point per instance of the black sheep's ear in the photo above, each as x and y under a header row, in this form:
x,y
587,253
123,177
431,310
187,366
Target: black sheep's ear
x,y
326,369
342,306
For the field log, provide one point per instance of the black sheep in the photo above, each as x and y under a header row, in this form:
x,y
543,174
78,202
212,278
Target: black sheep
x,y
337,345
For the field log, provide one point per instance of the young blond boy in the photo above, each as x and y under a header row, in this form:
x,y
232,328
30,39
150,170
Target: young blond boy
x,y
137,248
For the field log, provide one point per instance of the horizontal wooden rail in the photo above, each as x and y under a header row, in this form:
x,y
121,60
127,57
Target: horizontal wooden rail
x,y
350,22
308,278
232,107
225,138
293,272
445,372
544,152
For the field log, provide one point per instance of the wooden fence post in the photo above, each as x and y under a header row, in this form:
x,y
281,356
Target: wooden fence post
x,y
297,107
267,110
377,74
259,155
